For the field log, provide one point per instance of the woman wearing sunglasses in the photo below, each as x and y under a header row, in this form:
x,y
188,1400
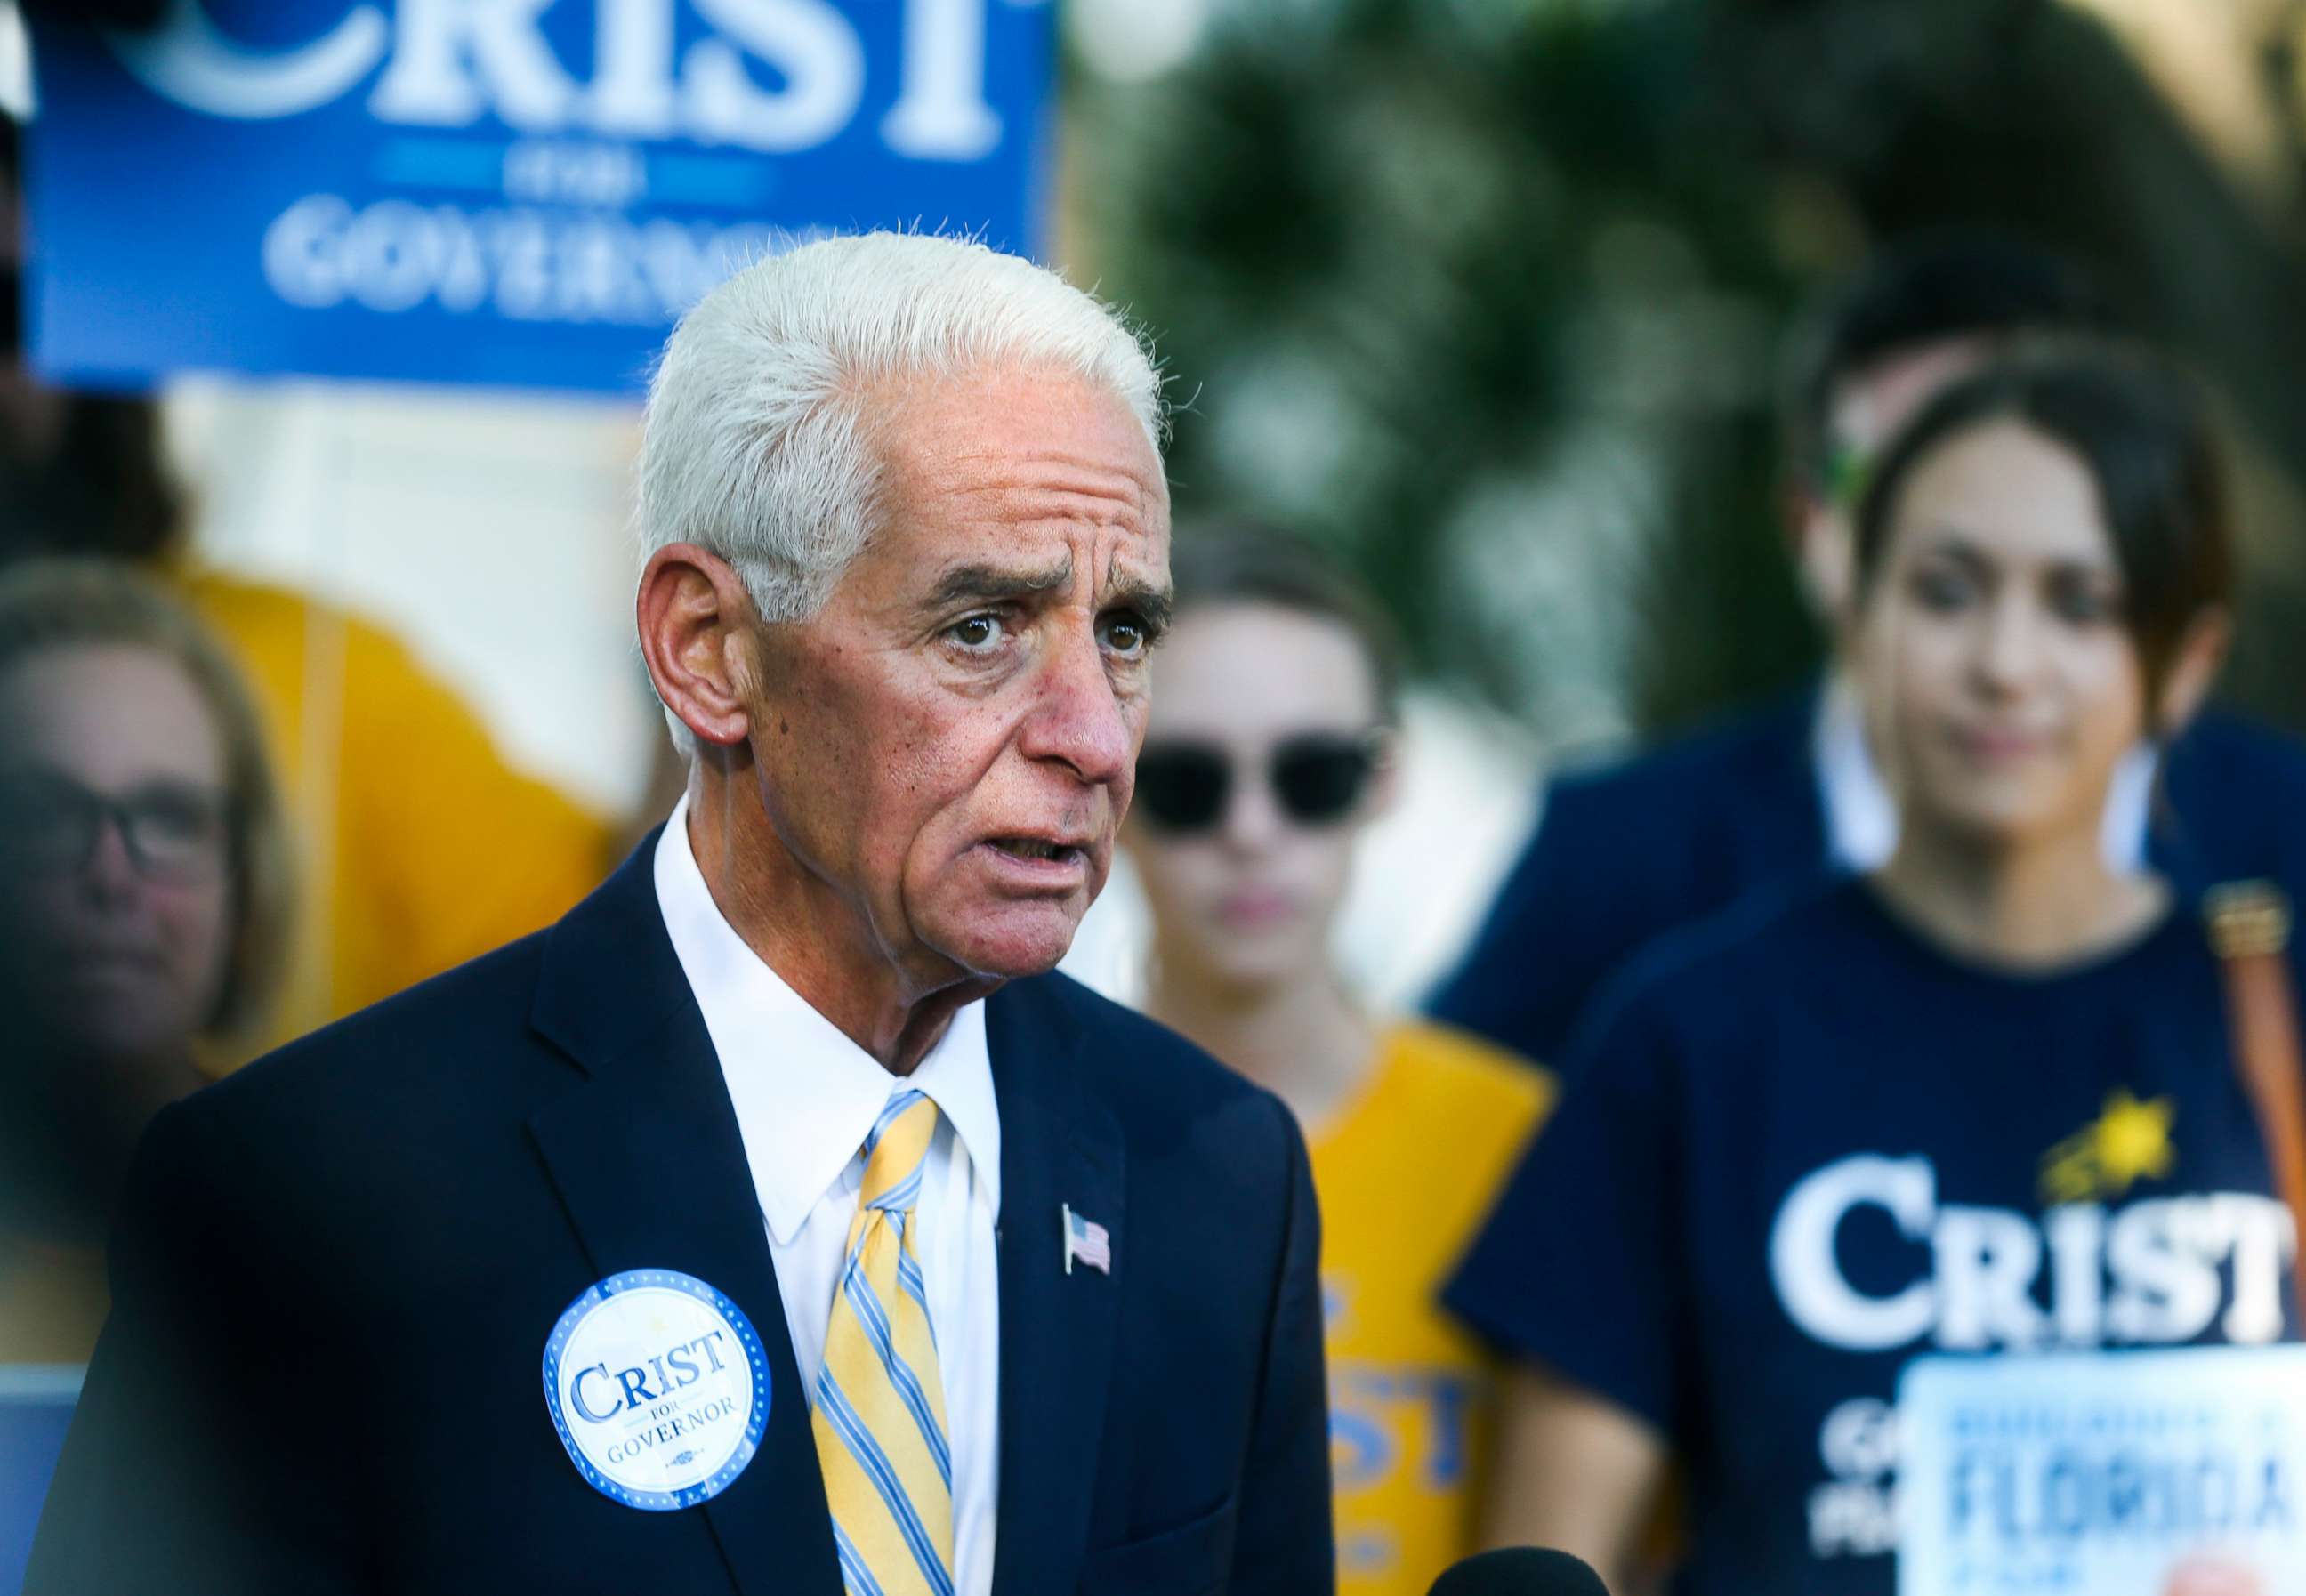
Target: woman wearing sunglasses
x,y
1269,753
1987,1100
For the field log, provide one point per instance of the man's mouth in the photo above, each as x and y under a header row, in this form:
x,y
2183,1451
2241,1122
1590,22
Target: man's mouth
x,y
1038,849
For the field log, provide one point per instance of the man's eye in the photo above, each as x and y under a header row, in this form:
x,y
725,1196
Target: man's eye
x,y
1126,634
977,631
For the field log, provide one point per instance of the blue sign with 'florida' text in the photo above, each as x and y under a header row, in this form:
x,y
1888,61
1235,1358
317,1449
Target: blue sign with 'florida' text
x,y
522,193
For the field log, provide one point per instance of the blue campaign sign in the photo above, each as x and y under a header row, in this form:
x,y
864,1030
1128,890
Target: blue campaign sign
x,y
521,193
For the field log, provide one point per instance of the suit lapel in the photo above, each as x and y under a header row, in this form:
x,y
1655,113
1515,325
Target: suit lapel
x,y
649,1165
1059,1148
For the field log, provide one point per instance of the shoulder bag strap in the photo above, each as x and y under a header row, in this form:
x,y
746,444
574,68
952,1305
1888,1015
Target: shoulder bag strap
x,y
2249,928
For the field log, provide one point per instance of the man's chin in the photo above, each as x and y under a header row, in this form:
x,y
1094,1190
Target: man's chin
x,y
1015,940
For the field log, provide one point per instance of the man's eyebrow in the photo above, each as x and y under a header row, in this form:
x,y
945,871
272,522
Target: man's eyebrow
x,y
995,583
991,584
1154,604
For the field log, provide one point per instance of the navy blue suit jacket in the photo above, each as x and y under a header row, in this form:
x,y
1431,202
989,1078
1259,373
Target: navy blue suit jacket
x,y
335,1272
1624,855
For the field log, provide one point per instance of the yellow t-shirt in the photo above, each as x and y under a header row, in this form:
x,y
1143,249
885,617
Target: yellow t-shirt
x,y
417,846
52,1300
1405,1176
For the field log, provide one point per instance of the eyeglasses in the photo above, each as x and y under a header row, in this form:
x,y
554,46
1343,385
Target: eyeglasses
x,y
1317,777
51,826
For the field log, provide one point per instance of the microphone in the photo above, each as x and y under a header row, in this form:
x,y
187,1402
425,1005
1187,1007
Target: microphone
x,y
1518,1571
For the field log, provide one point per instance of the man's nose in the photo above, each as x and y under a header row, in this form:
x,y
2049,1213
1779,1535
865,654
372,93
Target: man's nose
x,y
1080,720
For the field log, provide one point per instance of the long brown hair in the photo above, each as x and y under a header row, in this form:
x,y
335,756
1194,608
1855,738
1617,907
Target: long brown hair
x,y
2138,426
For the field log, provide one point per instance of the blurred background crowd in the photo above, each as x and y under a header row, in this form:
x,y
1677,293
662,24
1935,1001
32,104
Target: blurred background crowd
x,y
1740,583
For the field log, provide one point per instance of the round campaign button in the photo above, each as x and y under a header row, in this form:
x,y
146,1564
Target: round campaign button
x,y
659,1388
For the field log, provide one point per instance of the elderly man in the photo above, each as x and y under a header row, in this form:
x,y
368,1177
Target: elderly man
x,y
854,1250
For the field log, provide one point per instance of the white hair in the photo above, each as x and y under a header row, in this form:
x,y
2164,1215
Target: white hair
x,y
757,445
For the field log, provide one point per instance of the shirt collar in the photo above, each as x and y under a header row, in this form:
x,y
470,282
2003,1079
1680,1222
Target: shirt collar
x,y
1861,818
804,1093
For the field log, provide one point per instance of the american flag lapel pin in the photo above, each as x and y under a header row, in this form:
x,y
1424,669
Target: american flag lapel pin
x,y
1087,1240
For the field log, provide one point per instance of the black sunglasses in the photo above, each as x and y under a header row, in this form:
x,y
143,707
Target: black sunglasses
x,y
1318,778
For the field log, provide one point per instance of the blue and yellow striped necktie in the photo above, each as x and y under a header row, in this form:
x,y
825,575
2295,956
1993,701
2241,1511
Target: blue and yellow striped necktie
x,y
879,1417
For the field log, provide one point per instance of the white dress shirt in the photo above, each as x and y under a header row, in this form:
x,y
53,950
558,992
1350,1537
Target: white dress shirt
x,y
1861,818
805,1096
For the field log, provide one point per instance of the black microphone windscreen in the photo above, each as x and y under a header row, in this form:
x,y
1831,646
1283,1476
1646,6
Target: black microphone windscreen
x,y
1519,1571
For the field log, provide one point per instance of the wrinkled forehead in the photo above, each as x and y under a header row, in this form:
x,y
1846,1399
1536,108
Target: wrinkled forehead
x,y
920,420
1027,464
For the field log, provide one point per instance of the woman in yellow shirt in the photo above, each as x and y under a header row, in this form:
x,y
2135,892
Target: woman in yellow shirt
x,y
1269,752
422,847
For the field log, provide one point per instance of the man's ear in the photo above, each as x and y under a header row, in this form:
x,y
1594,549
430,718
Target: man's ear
x,y
697,625
2193,668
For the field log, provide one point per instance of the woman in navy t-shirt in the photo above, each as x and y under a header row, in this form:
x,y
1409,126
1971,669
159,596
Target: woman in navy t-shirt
x,y
1980,1100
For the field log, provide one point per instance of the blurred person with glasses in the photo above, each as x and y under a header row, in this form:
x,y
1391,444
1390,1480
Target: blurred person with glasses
x,y
1998,1095
1269,751
144,893
145,904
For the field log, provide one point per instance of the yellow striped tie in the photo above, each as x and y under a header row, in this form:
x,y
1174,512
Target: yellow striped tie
x,y
879,1416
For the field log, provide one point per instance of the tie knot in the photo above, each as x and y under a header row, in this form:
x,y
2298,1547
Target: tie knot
x,y
894,1151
